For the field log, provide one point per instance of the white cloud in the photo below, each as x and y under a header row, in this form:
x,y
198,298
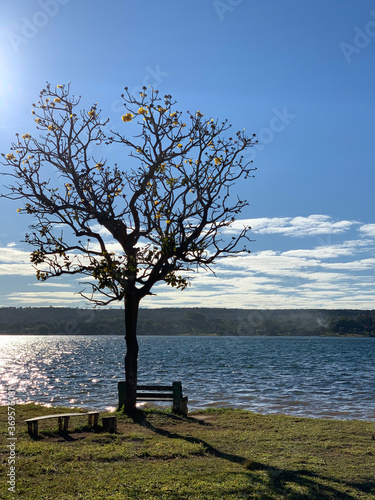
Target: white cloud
x,y
346,248
271,262
338,274
63,298
368,230
17,269
313,225
104,233
10,254
52,285
357,265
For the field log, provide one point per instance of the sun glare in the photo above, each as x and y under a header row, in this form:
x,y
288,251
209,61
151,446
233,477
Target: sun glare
x,y
11,90
5,76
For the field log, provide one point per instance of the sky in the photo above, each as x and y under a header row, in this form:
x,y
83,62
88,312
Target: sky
x,y
298,74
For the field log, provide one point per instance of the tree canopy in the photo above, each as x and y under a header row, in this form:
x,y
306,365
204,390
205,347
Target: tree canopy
x,y
165,204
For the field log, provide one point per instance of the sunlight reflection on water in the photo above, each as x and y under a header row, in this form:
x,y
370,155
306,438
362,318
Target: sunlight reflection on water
x,y
305,376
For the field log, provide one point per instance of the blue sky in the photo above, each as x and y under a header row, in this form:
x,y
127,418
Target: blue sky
x,y
298,74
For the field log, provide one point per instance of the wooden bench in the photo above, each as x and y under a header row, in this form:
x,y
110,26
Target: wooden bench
x,y
63,419
151,393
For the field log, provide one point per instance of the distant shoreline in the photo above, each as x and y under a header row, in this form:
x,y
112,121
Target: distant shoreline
x,y
189,321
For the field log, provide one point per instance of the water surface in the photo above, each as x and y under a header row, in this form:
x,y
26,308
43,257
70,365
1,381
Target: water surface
x,y
304,376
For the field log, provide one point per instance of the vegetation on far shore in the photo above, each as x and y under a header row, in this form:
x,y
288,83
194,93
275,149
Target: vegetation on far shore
x,y
212,454
188,321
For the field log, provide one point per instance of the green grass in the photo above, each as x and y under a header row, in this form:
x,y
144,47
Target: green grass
x,y
213,454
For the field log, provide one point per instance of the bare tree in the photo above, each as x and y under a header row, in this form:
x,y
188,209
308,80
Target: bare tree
x,y
164,204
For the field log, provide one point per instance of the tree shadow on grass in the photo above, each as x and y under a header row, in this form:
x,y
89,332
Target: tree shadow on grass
x,y
281,482
277,481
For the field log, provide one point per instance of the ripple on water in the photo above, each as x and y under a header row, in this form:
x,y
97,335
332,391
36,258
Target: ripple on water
x,y
321,377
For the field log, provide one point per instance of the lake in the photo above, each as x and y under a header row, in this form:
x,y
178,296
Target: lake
x,y
326,377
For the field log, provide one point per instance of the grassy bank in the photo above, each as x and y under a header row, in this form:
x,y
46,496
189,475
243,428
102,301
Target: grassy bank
x,y
222,454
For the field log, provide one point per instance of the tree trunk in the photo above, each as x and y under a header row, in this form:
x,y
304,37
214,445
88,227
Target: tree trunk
x,y
131,358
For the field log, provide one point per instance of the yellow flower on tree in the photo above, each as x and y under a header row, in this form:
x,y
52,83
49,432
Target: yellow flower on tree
x,y
172,181
18,210
60,86
142,111
127,118
26,136
51,127
217,161
179,145
10,156
57,99
37,120
92,113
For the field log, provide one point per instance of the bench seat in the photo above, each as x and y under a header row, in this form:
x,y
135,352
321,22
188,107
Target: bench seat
x,y
63,420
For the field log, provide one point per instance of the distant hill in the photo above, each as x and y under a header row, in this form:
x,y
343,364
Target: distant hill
x,y
187,321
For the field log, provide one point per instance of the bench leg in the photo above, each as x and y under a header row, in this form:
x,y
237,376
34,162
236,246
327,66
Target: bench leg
x,y
121,394
180,407
177,395
63,427
66,423
183,405
93,419
109,424
179,401
32,428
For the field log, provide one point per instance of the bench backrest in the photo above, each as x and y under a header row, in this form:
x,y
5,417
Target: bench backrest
x,y
171,392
